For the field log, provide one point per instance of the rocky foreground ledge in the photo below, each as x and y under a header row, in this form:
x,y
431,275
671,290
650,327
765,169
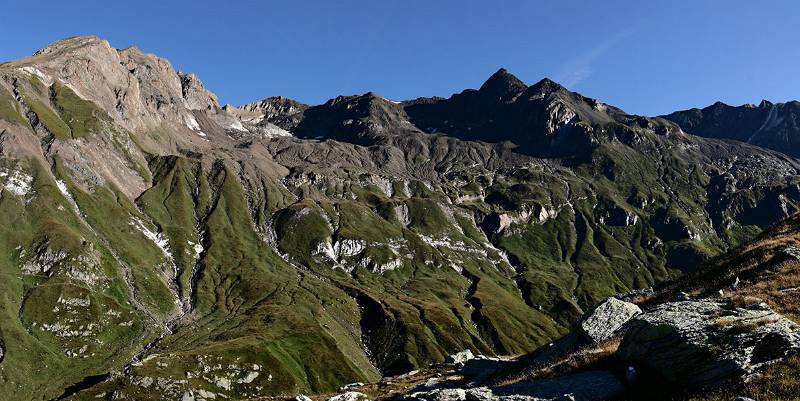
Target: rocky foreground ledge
x,y
687,344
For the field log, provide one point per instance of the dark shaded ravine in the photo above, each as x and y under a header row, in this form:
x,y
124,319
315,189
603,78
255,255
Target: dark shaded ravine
x,y
86,383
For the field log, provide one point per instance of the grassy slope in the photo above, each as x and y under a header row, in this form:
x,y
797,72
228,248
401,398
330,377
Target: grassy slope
x,y
250,304
36,364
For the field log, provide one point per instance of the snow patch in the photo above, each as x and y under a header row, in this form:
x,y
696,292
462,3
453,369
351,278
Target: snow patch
x,y
157,238
191,122
63,188
237,125
270,130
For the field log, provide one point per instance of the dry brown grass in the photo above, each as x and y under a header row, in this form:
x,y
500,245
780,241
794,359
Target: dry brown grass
x,y
779,382
566,364
752,262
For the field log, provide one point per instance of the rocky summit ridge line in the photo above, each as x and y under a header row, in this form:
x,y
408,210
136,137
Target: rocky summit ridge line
x,y
156,243
770,125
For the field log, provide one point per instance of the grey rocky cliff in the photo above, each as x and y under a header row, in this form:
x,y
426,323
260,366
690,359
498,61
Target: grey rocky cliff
x,y
139,90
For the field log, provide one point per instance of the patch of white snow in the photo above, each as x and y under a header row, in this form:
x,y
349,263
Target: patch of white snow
x,y
157,238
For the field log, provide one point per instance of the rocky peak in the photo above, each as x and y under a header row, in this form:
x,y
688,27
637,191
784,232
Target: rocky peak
x,y
543,88
281,111
275,104
503,85
359,119
196,95
140,91
72,45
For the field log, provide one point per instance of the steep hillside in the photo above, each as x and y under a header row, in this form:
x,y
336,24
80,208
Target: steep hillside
x,y
157,243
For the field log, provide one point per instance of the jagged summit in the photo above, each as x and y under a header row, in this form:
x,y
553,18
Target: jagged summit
x,y
503,85
544,87
140,91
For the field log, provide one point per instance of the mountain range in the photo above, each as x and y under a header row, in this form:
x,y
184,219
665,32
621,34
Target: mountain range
x,y
769,125
158,244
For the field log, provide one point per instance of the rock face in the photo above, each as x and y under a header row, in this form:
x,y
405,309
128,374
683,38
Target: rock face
x,y
605,320
708,342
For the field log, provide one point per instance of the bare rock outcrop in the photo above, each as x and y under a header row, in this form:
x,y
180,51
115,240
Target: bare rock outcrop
x,y
701,343
139,90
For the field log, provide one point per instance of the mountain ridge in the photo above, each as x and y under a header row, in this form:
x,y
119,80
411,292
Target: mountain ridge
x,y
769,125
197,240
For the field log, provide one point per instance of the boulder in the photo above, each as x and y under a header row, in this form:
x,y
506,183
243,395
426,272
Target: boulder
x,y
596,385
2,351
302,397
702,343
606,319
460,357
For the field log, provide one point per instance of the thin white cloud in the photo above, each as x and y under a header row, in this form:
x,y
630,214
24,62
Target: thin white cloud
x,y
581,68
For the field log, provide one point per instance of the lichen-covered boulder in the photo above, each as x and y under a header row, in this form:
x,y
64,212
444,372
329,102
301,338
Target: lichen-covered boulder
x,y
702,343
606,319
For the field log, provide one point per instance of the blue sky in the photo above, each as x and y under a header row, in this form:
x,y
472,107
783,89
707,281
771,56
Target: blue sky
x,y
648,57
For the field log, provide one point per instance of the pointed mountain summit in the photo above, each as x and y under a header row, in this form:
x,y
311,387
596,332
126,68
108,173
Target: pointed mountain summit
x,y
506,109
362,119
543,88
504,85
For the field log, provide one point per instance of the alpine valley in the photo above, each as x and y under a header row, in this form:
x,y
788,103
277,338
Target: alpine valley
x,y
155,244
